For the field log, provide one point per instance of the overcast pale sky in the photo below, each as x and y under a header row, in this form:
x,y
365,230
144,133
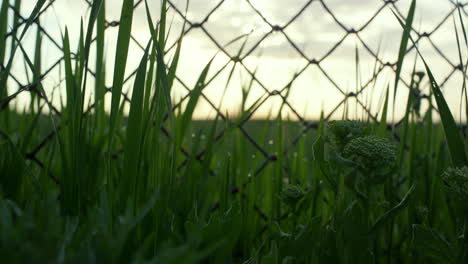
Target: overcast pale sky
x,y
315,32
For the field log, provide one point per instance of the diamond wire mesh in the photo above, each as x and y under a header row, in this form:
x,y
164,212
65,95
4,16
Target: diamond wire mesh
x,y
273,28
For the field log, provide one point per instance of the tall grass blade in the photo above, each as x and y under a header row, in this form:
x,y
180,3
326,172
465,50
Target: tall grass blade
x,y
383,118
452,134
192,103
99,88
37,63
455,142
3,41
134,132
406,118
162,25
402,51
123,42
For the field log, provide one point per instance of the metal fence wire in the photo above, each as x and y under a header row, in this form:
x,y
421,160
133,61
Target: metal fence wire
x,y
273,28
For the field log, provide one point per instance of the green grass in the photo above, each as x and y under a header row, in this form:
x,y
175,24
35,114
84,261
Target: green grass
x,y
87,187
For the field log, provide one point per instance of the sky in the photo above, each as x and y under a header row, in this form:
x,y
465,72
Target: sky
x,y
274,59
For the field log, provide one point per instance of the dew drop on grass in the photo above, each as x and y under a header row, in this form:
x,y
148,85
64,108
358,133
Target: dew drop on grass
x,y
270,142
253,156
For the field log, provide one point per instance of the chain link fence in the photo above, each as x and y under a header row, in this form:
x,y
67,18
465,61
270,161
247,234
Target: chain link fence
x,y
308,58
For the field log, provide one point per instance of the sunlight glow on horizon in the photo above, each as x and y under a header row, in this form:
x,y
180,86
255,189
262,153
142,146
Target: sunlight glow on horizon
x,y
277,61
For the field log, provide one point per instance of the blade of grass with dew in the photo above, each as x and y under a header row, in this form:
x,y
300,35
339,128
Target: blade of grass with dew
x,y
402,51
452,135
192,103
